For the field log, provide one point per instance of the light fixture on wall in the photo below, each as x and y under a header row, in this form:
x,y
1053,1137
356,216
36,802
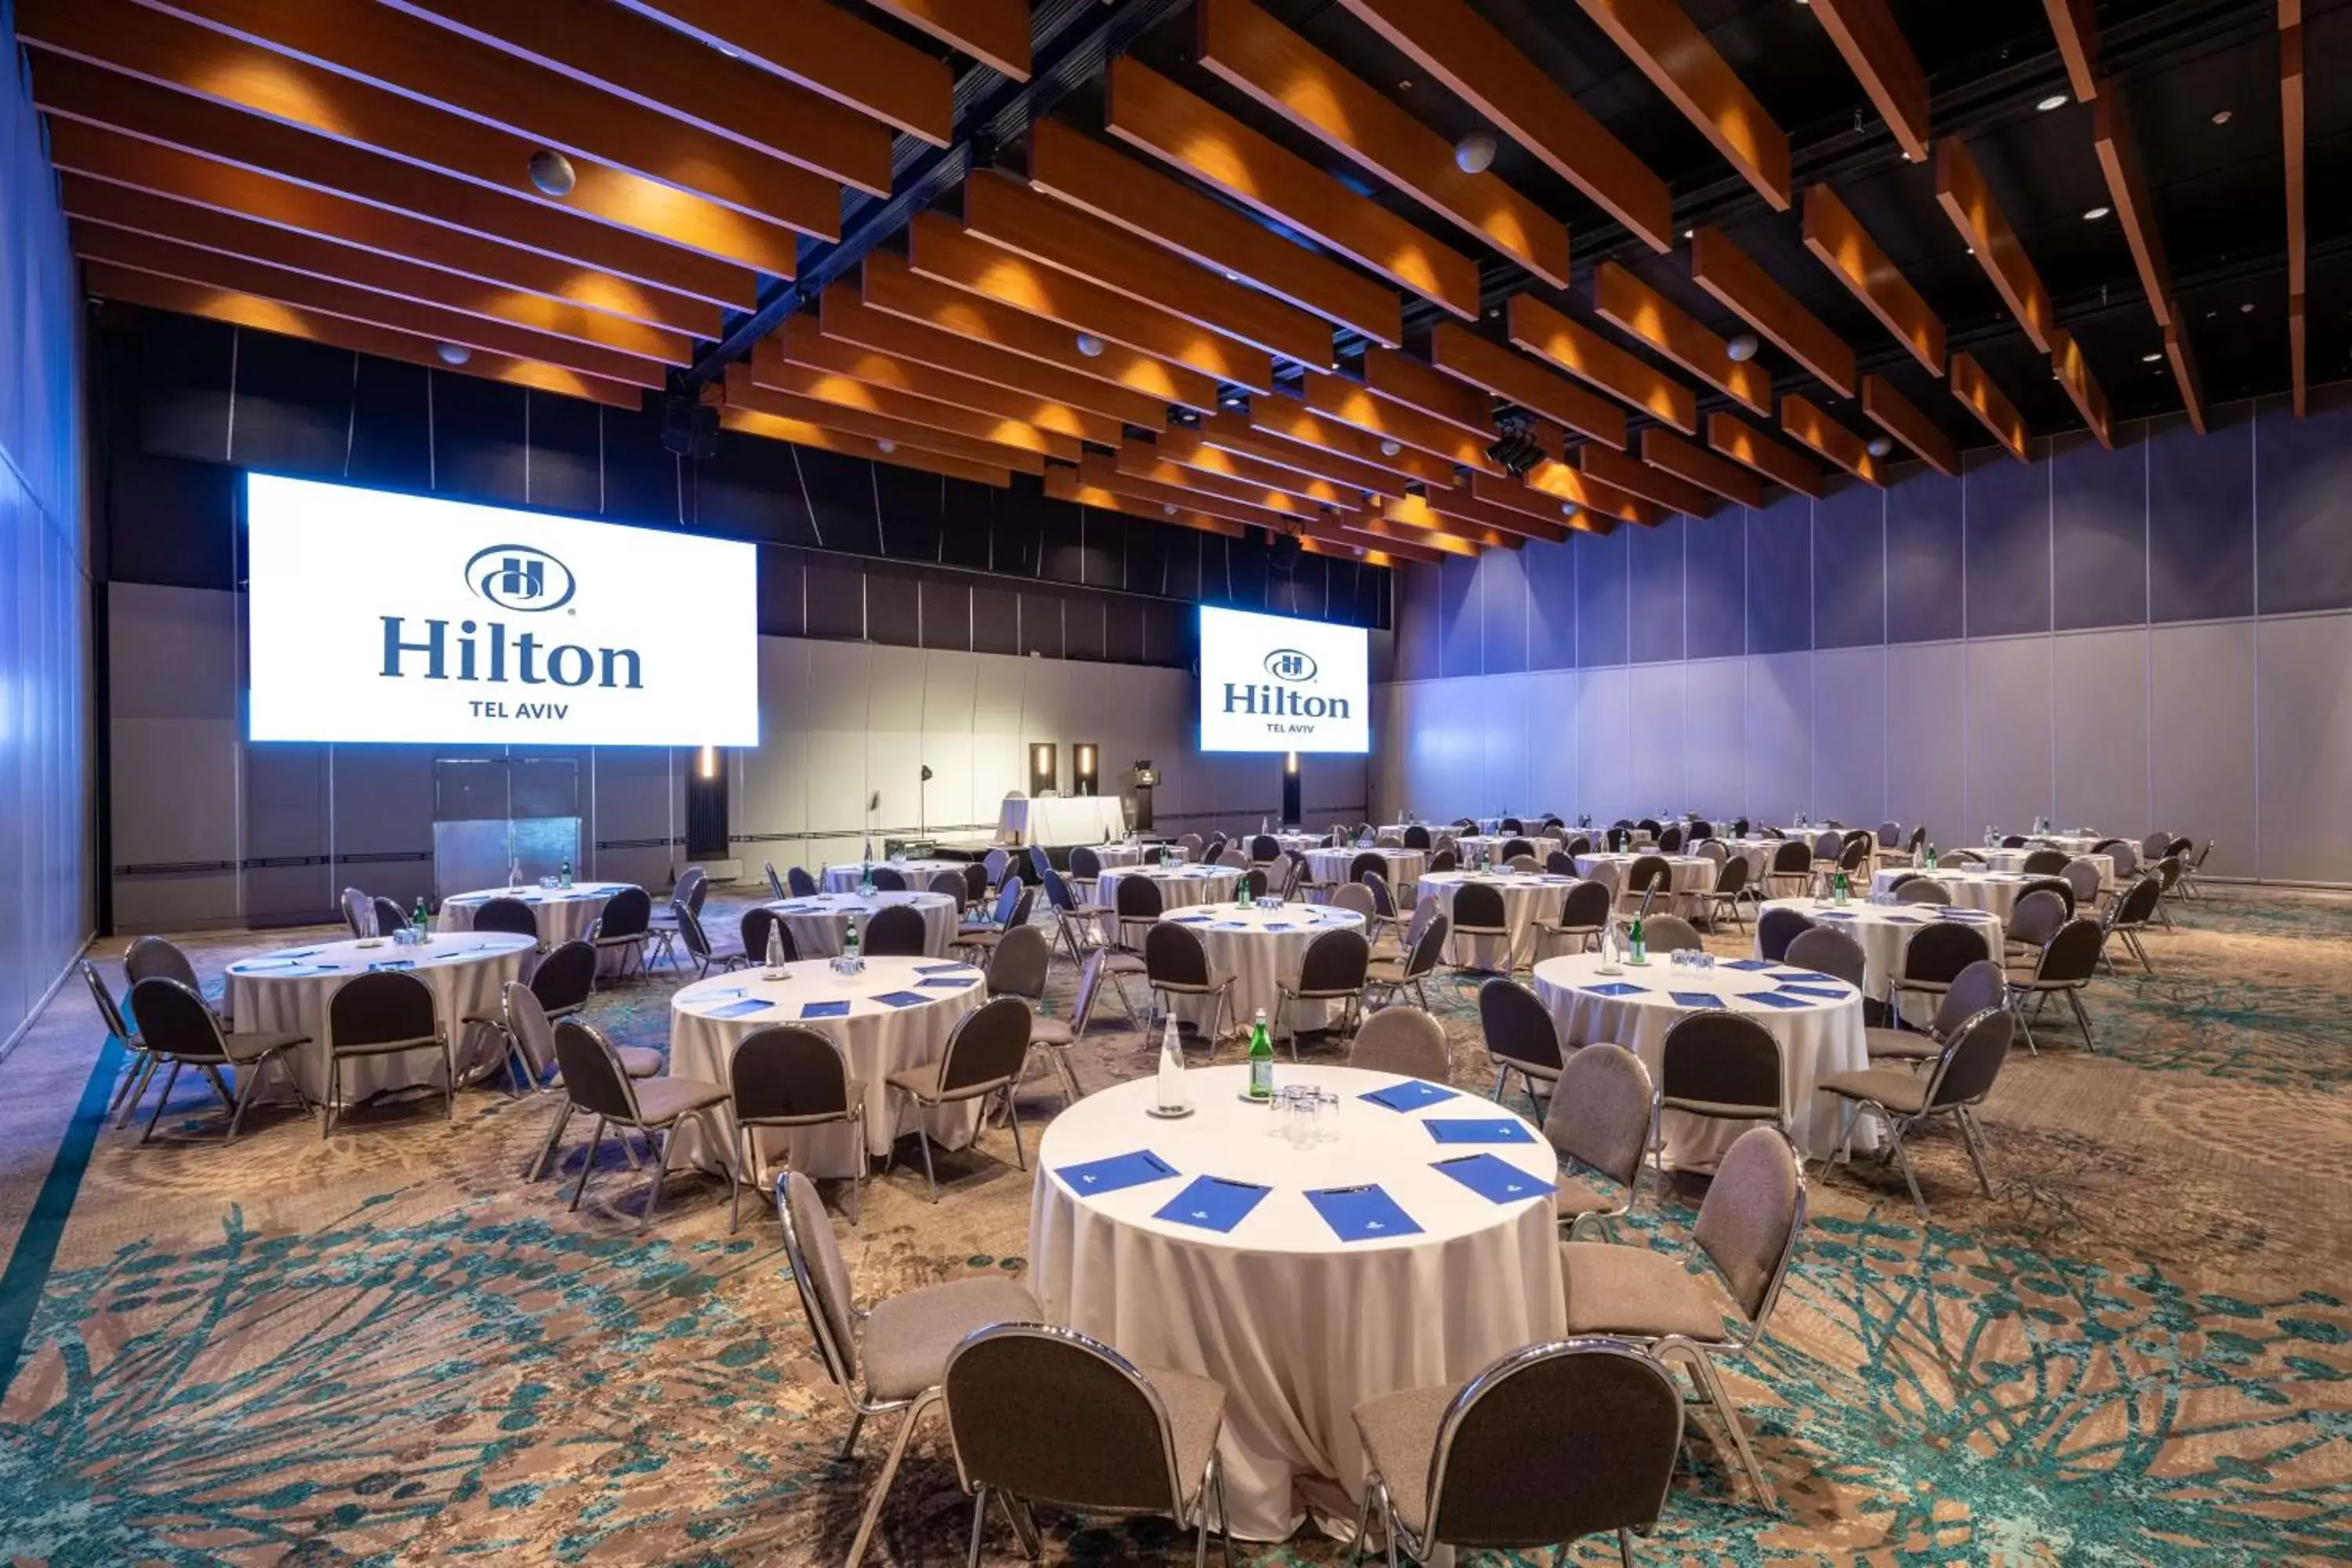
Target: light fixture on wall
x,y
706,763
1084,768
1290,761
1045,768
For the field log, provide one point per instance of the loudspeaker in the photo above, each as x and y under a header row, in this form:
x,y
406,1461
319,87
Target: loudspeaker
x,y
689,429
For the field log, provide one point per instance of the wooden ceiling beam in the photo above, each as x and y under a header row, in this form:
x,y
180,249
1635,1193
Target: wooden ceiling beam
x,y
1676,56
1008,214
742,391
1875,49
71,92
1458,539
2075,25
1231,433
1417,386
1969,202
170,52
1814,429
1351,403
1982,398
1464,354
1694,464
2119,162
237,274
1564,481
1147,111
802,341
993,32
1636,478
1252,52
1841,244
947,253
1640,312
769,369
1067,484
1482,506
121,207
128,164
828,51
238,309
2184,370
1751,449
1102,470
1193,450
1288,419
1895,415
2290,118
800,433
1577,349
1143,460
487,87
1731,275
2081,386
1460,48
1144,201
888,284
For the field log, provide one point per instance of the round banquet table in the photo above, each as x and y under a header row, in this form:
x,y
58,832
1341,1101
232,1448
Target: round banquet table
x,y
1289,840
1820,1037
563,915
1181,887
2072,843
1405,866
878,1037
1994,892
1884,932
1136,854
1687,875
848,879
1440,836
819,925
2014,861
1298,1325
1479,847
1525,901
1260,948
291,990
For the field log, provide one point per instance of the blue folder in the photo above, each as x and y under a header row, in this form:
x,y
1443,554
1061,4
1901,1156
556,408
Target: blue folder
x,y
390,964
739,1009
1786,976
1361,1213
1819,993
1212,1203
950,982
903,998
1096,1177
1774,999
1461,1130
1496,1178
1411,1095
1615,988
1749,963
1696,998
941,968
824,1009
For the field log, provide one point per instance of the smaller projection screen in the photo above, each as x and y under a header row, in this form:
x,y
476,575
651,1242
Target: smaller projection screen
x,y
375,615
1273,683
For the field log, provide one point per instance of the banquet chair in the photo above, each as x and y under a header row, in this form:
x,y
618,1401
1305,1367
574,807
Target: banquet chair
x,y
801,884
1175,963
2128,916
1520,1037
984,1055
1250,886
1212,851
359,912
1671,933
1524,866
1191,843
2126,855
596,1081
390,917
1425,942
2063,966
1559,863
1140,904
1981,984
1293,874
1853,858
2044,863
1367,863
2152,846
1714,849
1446,859
1731,885
2013,841
138,1062
2083,878
1740,829
530,1037
1334,969
790,1076
1962,1075
1670,839
1747,1228
1086,868
1918,890
1385,917
950,884
1828,950
1600,1123
661,928
2190,867
1649,824
1720,1065
1936,953
1018,966
2166,873
697,943
1957,858
1078,926
1699,827
387,1012
1577,846
1416,836
1510,826
887,878
157,958
565,979
1890,842
1406,1041
976,886
1053,1415
1583,915
511,916
1014,901
1648,880
1479,912
1550,1443
2033,922
624,927
1775,929
999,864
1791,872
775,883
757,921
1264,848
175,1025
895,931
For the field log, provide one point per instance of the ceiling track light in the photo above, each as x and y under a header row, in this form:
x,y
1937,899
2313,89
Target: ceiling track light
x,y
1742,349
1474,153
551,172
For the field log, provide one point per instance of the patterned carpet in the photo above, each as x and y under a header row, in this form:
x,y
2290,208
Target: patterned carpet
x,y
388,1347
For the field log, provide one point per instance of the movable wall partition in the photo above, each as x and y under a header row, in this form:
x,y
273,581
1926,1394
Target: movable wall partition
x,y
2159,636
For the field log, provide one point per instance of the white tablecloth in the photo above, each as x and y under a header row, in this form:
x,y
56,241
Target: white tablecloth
x,y
878,1038
1181,887
563,916
1297,1325
1439,837
848,877
1995,892
1885,932
1065,819
1525,899
1479,847
1125,854
1689,876
820,925
1260,949
279,992
1818,1039
1404,866
2014,861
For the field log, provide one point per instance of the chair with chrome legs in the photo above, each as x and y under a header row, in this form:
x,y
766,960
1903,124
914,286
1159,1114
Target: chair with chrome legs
x,y
155,958
790,1076
1018,966
138,1063
899,1360
2064,965
596,1082
1406,1041
1723,1066
1175,963
1520,1037
1955,1086
384,1012
1600,1123
176,1027
1424,942
1333,969
984,1055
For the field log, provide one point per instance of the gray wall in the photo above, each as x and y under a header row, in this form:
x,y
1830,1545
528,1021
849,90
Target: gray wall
x,y
2156,636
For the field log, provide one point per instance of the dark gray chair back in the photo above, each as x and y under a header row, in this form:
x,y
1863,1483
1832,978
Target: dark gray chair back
x,y
1585,906
1731,877
359,912
804,885
511,916
1922,890
527,1021
154,958
987,1047
1334,964
1478,909
629,912
787,1072
2138,907
1446,859
2045,863
1264,846
896,930
593,1078
1749,1221
1416,836
2059,887
1384,902
758,921
1793,858
1600,1111
1250,884
775,883
173,1021
1775,929
1515,847
1516,1026
565,977
887,878
1085,864
382,1007
1173,955
1981,984
1670,840
1721,1057
2037,917
1427,944
1939,951
1018,965
108,1013
1139,898
1366,862
1053,1415
1830,950
2074,954
1972,1059
389,917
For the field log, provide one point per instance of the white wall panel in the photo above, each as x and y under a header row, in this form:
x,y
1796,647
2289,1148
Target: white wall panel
x,y
1656,756
1602,714
1850,734
2305,723
2202,680
1927,779
1779,736
1714,719
2009,746
1500,703
1551,696
2099,729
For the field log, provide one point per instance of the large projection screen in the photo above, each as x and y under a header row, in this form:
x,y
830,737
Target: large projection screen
x,y
1273,683
375,615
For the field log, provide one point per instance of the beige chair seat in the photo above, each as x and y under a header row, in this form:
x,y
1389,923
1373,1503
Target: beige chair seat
x,y
1897,1088
663,1100
1615,1289
908,1337
1044,1031
1196,1409
639,1062
1576,1195
1900,1045
1399,1433
1115,962
922,1082
254,1046
1218,980
1727,1110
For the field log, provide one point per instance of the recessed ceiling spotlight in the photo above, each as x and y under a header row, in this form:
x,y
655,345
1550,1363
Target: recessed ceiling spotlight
x,y
1687,233
552,171
2150,359
2055,101
2247,308
1879,445
1167,509
1742,349
884,444
1568,509
1474,153
454,353
1090,346
1390,448
2093,214
1232,277
1405,86
2221,117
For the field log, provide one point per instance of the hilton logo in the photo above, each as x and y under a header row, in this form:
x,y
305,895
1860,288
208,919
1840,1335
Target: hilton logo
x,y
1293,669
1290,664
518,577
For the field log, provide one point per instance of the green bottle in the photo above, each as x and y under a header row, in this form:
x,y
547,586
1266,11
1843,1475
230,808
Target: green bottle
x,y
1242,891
565,875
1931,857
1637,943
1839,891
849,941
417,917
1261,1061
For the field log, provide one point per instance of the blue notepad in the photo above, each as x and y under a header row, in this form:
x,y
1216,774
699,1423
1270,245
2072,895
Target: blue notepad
x,y
941,968
1749,963
903,998
748,1005
1279,925
1461,1130
948,981
1361,1213
824,1009
1616,988
1696,998
1821,993
1494,1178
1833,914
1212,1203
1096,1177
1411,1095
1902,920
1774,999
390,965
1787,976
1188,920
